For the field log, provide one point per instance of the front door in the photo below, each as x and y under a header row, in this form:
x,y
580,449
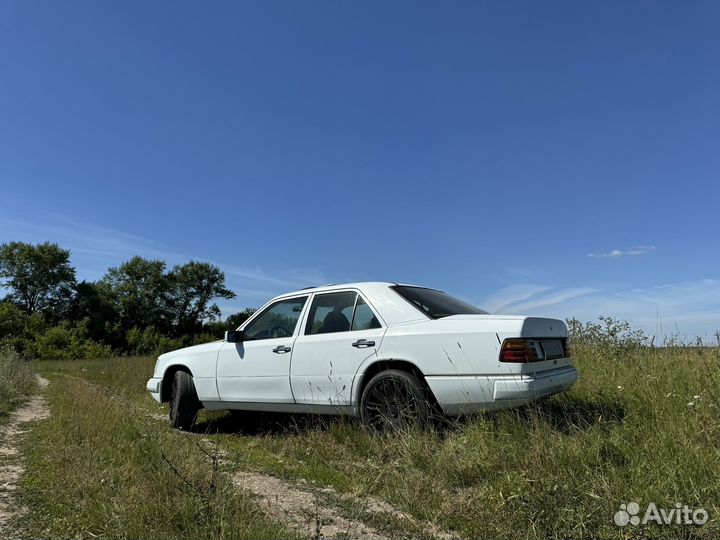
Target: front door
x,y
257,370
341,332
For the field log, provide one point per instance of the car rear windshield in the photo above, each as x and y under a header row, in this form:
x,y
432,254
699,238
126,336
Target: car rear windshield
x,y
435,304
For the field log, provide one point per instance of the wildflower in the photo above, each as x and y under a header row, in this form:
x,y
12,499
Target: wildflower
x,y
690,403
619,387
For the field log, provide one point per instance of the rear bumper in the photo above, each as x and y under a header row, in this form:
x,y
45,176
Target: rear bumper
x,y
153,386
535,387
466,394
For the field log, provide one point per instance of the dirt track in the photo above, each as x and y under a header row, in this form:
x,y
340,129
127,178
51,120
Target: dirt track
x,y
313,511
310,511
11,462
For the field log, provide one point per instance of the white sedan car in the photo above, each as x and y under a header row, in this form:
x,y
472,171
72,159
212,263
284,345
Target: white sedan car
x,y
390,354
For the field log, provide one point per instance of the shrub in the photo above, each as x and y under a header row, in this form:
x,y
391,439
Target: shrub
x,y
150,342
65,343
17,328
609,338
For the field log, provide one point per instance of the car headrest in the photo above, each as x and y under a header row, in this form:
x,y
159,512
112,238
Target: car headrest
x,y
335,321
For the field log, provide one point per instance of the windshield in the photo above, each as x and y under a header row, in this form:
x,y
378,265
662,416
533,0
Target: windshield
x,y
436,304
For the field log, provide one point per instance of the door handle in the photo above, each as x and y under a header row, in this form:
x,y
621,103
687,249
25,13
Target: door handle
x,y
281,349
363,344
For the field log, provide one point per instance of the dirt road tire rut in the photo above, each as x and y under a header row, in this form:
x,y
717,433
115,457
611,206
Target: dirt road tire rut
x,y
11,462
305,509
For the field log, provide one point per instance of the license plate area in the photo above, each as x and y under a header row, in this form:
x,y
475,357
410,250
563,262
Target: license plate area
x,y
552,349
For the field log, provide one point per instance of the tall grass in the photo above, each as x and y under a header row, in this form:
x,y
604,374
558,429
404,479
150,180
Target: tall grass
x,y
641,425
17,381
100,468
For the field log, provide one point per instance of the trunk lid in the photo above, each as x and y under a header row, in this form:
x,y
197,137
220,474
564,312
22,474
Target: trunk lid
x,y
549,339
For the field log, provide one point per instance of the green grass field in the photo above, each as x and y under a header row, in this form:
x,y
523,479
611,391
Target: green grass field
x,y
639,426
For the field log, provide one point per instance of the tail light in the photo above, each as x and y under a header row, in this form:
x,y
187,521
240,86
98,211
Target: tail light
x,y
519,351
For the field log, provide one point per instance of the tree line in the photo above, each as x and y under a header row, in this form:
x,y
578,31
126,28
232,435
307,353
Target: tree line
x,y
138,308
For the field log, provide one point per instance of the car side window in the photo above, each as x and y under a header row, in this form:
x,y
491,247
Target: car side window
x,y
276,321
364,318
331,312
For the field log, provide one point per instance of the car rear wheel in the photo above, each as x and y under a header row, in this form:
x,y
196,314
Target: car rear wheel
x,y
394,400
184,404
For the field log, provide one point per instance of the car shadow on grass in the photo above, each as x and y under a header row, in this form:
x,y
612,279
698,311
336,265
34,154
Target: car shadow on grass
x,y
566,414
266,423
570,413
573,414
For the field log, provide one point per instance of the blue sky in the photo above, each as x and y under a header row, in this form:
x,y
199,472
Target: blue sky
x,y
555,158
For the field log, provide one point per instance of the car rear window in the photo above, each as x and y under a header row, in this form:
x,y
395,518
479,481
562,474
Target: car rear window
x,y
436,304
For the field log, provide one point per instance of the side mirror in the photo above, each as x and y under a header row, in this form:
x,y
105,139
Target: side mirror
x,y
234,336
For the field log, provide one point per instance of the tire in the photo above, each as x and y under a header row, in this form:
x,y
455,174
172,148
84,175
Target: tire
x,y
184,404
394,400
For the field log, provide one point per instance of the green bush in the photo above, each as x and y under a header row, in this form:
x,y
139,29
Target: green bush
x,y
17,328
150,342
65,343
613,338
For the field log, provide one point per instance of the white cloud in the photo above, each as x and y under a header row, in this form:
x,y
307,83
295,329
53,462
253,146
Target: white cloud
x,y
688,309
290,278
617,253
556,297
507,296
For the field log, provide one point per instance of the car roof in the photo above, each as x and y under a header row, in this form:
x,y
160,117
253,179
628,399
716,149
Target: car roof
x,y
362,285
390,307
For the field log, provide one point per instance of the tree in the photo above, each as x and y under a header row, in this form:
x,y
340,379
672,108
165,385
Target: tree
x,y
18,329
40,277
139,289
192,288
231,323
94,308
236,319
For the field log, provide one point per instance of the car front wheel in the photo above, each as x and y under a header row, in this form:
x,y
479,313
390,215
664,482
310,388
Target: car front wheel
x,y
184,404
394,400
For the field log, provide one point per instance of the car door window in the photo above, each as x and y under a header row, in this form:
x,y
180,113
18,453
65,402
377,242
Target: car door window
x,y
276,321
364,318
331,312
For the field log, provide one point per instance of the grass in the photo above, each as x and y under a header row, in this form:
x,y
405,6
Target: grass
x,y
17,382
101,467
641,425
559,469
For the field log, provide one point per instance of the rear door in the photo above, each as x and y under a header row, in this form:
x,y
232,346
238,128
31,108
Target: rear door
x,y
341,330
